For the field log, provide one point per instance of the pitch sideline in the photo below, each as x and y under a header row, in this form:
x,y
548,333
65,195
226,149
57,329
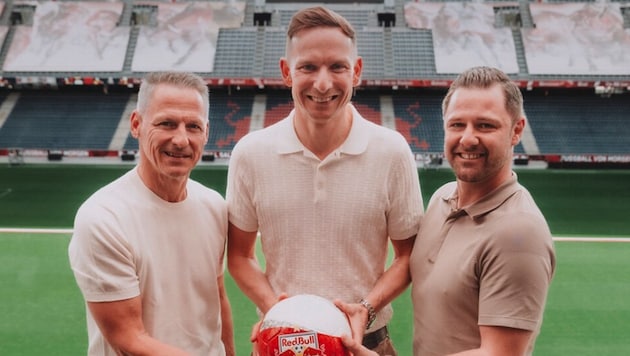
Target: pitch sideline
x,y
556,238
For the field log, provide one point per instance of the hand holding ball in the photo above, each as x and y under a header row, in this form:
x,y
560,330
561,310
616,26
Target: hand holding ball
x,y
303,325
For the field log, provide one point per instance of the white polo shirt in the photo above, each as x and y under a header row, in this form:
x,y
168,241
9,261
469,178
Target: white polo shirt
x,y
325,224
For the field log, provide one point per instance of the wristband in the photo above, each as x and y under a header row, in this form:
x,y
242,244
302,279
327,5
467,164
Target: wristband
x,y
371,313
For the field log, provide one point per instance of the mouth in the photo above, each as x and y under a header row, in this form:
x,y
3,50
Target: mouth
x,y
176,155
470,156
322,99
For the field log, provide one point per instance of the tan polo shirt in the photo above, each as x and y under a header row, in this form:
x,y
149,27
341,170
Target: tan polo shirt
x,y
490,263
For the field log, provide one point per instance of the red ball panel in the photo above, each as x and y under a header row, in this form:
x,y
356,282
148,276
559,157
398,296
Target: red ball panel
x,y
290,341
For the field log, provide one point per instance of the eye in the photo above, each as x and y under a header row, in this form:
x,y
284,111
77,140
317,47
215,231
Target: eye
x,y
307,68
337,67
486,126
194,127
167,124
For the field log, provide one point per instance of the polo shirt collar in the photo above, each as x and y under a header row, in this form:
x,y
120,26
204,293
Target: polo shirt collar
x,y
490,201
356,142
288,141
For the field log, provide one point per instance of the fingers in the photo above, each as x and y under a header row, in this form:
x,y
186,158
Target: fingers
x,y
349,342
256,327
255,330
357,316
355,347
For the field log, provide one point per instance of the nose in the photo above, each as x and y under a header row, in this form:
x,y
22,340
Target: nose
x,y
180,136
469,137
323,81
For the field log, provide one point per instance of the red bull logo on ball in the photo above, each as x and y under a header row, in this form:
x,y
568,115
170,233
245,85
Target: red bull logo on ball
x,y
303,325
298,342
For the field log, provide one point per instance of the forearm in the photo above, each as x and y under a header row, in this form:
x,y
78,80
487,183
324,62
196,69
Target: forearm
x,y
500,341
121,324
252,281
227,323
391,283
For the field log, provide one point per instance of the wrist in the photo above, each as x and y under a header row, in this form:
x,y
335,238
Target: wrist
x,y
371,312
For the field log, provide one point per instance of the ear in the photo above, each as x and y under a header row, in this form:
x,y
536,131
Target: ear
x,y
285,70
358,68
517,131
135,120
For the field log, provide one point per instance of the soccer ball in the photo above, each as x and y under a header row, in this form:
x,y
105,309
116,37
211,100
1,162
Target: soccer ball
x,y
303,325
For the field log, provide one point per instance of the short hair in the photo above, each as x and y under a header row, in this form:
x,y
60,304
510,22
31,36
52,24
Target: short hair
x,y
179,79
319,16
484,78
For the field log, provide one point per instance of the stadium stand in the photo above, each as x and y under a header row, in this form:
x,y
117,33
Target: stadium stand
x,y
232,60
576,97
230,119
579,122
412,51
272,51
279,105
419,119
369,104
63,120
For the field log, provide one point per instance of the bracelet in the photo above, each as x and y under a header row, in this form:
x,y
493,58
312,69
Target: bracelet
x,y
371,313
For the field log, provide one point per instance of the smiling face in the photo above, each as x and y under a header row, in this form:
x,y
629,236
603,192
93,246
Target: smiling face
x,y
322,68
172,131
479,135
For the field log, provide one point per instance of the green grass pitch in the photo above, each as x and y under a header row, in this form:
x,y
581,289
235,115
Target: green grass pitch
x,y
43,313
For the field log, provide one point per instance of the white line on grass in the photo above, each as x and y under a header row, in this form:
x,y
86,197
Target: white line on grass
x,y
591,239
35,231
557,238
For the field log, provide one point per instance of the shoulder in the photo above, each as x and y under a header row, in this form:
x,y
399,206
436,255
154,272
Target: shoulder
x,y
265,137
385,134
443,192
97,221
446,189
206,199
519,226
382,143
208,194
522,211
110,197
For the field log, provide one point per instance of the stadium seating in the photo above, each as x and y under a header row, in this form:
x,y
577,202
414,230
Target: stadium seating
x,y
404,73
278,106
419,119
563,122
230,119
368,103
578,122
63,120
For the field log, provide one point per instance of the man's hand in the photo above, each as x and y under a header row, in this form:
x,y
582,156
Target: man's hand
x,y
357,316
256,327
355,347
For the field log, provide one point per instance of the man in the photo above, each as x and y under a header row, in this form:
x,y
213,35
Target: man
x,y
326,189
484,257
147,249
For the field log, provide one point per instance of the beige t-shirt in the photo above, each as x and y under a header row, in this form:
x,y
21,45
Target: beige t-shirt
x,y
129,242
325,224
490,263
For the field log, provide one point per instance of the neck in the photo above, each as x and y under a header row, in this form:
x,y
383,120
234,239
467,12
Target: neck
x,y
323,139
471,192
169,189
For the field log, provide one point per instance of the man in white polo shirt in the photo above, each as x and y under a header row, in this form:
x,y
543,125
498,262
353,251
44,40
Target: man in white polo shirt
x,y
326,189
